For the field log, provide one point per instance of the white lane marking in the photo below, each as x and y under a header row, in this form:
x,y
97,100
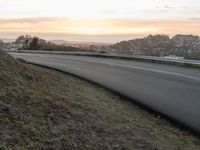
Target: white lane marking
x,y
161,71
121,65
141,68
136,67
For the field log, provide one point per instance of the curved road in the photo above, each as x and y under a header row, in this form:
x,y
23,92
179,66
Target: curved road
x,y
171,90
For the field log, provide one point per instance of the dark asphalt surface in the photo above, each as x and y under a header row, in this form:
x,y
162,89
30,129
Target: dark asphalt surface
x,y
171,90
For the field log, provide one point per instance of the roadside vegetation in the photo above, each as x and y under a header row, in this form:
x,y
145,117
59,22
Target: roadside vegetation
x,y
181,46
45,109
26,42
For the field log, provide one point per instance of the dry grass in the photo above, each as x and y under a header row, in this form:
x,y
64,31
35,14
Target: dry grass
x,y
45,109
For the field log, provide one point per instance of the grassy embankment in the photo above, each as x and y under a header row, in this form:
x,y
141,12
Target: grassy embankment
x,y
45,109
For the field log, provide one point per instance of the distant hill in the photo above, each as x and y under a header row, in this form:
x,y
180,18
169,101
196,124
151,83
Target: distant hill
x,y
187,46
78,44
159,45
8,40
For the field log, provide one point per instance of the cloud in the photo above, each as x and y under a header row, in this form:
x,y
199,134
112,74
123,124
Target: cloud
x,y
168,7
108,12
159,10
194,19
97,27
81,26
27,20
40,24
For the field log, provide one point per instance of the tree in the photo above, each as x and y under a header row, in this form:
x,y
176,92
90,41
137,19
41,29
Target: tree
x,y
2,44
34,45
26,43
19,40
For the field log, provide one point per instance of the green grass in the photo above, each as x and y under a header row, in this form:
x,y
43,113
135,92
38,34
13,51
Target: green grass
x,y
46,109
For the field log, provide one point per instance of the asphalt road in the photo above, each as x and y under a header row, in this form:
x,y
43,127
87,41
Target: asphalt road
x,y
171,90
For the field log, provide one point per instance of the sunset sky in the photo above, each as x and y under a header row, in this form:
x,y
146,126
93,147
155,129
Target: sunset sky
x,y
98,20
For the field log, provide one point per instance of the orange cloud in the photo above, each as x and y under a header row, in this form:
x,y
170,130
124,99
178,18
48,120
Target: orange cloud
x,y
97,27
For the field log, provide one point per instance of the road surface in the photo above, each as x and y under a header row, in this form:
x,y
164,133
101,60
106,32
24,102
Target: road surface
x,y
171,90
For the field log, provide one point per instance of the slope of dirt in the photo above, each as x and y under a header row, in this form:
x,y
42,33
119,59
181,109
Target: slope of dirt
x,y
45,109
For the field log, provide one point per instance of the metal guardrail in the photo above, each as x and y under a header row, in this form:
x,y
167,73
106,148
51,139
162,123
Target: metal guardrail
x,y
112,55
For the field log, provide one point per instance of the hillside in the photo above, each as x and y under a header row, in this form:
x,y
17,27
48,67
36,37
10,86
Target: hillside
x,y
44,109
160,45
187,46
